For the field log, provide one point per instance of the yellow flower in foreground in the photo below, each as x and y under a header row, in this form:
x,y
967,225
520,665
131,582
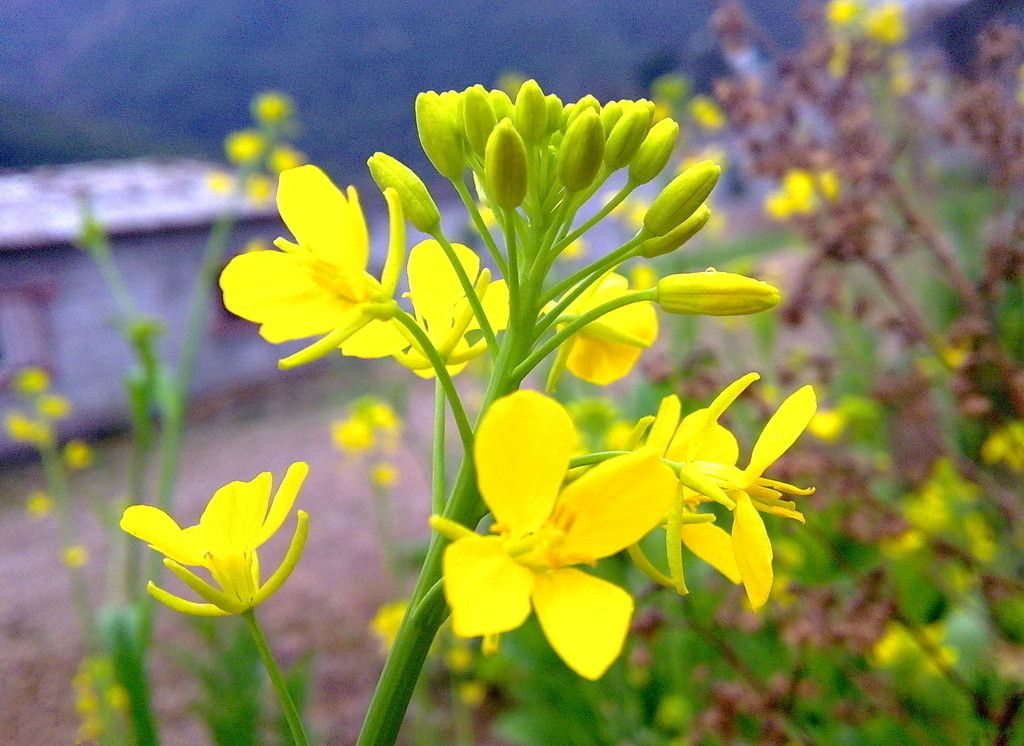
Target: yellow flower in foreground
x,y
386,621
522,452
77,455
75,556
606,350
440,306
319,285
886,24
239,518
29,381
38,505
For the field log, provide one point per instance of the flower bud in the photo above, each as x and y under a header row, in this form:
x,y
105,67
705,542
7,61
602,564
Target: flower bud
x,y
531,116
417,204
554,113
626,135
713,293
610,114
478,117
676,237
654,151
502,104
579,156
505,175
576,109
681,198
440,134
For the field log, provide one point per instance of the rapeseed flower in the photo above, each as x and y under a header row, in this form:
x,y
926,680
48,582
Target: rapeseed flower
x,y
886,24
23,429
38,505
30,381
239,518
320,284
843,14
387,621
707,113
53,406
77,455
75,556
522,453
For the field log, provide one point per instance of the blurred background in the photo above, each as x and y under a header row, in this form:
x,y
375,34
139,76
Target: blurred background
x,y
873,170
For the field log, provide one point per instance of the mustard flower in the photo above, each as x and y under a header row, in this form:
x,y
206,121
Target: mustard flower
x,y
31,381
386,622
707,113
272,107
522,452
239,518
244,146
886,24
38,505
22,429
77,455
606,350
53,406
320,284
353,435
75,556
843,13
384,475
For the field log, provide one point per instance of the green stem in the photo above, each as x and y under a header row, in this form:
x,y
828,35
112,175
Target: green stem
x,y
437,473
644,564
596,217
593,271
291,713
481,226
467,288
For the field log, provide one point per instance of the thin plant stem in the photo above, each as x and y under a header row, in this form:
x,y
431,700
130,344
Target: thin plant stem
x,y
438,478
481,226
291,712
467,288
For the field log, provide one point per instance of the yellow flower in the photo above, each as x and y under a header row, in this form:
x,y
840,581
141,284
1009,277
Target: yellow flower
x,y
843,13
575,250
353,435
384,475
77,455
828,184
898,645
1005,446
220,182
708,452
272,107
839,62
38,505
22,429
319,285
259,188
827,424
643,276
886,24
441,308
53,406
707,113
606,350
239,518
522,453
29,381
472,693
459,658
386,622
283,157
75,556
244,146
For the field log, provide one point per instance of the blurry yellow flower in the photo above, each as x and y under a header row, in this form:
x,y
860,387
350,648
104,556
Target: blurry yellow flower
x,y
827,424
53,406
255,244
472,693
384,475
77,455
980,539
38,505
575,250
606,350
661,110
220,182
239,518
75,556
459,658
707,113
1005,446
839,62
898,645
886,24
244,146
522,453
386,622
799,193
636,211
643,276
259,188
618,436
843,13
319,285
353,435
272,107
283,157
29,381
828,184
904,544
22,429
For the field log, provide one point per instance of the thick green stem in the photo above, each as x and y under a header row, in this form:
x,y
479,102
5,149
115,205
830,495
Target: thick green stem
x,y
291,712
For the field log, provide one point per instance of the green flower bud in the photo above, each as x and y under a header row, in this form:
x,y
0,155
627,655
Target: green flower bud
x,y
681,198
440,134
531,112
478,117
502,104
676,237
505,175
587,102
554,113
654,151
579,157
417,204
713,293
626,135
610,114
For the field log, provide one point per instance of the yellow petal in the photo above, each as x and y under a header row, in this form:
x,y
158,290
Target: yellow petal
x,y
782,430
161,532
752,549
235,514
182,605
434,285
730,394
376,339
665,423
613,505
283,500
495,303
713,545
321,219
487,590
275,290
601,363
522,451
584,618
701,439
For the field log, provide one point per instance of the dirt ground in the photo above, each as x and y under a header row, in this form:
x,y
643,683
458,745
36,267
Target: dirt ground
x,y
325,606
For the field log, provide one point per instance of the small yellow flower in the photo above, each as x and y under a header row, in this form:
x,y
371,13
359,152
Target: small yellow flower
x,y
828,184
839,62
827,424
1005,446
353,435
384,475
459,658
843,14
472,693
244,147
259,188
239,518
22,429
272,107
53,406
38,505
30,381
77,455
707,113
575,250
283,157
489,218
75,556
220,182
886,24
386,622
522,454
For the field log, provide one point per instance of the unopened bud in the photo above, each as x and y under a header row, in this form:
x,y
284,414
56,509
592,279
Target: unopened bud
x,y
505,175
660,245
531,112
417,204
610,114
654,151
576,109
681,198
502,104
440,134
580,154
713,293
626,135
554,113
478,118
